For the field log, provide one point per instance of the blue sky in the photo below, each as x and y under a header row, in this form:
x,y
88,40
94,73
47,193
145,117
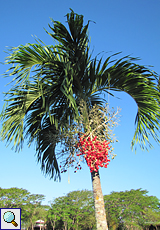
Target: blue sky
x,y
128,26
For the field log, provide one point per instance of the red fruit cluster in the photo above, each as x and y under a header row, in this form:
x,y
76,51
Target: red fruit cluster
x,y
77,168
95,152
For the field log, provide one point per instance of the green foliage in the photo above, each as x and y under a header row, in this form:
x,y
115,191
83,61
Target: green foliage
x,y
74,211
30,204
49,81
13,197
132,209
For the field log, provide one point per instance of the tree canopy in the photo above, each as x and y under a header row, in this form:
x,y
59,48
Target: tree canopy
x,y
132,209
75,210
49,81
30,204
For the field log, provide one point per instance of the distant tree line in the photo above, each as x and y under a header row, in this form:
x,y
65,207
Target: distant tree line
x,y
132,209
30,204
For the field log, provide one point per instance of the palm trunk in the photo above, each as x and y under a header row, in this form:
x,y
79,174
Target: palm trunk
x,y
101,221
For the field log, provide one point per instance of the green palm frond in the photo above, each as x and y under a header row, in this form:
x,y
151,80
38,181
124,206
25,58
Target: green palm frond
x,y
45,149
73,42
26,59
140,83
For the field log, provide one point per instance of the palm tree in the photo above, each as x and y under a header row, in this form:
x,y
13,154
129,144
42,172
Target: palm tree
x,y
49,82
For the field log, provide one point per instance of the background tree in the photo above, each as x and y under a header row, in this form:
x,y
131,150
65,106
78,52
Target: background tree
x,y
49,83
132,209
152,218
13,197
81,207
63,212
53,215
30,204
41,213
31,210
75,210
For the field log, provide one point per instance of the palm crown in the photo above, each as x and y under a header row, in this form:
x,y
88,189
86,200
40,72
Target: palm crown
x,y
51,80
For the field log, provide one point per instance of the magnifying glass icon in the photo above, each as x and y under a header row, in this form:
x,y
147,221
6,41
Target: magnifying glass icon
x,y
9,217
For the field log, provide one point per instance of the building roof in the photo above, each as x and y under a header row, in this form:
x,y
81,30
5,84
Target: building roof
x,y
40,221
